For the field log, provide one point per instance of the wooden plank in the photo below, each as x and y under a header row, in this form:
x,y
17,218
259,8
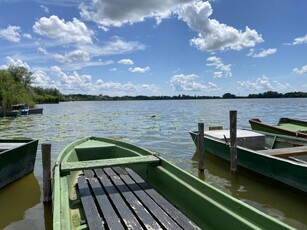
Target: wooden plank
x,y
82,165
91,212
173,212
162,217
110,216
123,210
142,213
286,152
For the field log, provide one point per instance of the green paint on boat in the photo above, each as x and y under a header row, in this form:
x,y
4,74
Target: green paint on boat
x,y
285,126
17,159
203,204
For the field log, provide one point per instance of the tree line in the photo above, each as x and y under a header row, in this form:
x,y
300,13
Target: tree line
x,y
16,88
268,94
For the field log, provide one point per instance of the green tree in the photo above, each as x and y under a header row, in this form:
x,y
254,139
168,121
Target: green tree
x,y
21,74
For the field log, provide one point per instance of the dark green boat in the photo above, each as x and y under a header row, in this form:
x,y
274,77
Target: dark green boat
x,y
285,126
281,158
17,159
106,184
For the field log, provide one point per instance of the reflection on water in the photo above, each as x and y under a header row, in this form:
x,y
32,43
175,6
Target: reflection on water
x,y
162,127
17,198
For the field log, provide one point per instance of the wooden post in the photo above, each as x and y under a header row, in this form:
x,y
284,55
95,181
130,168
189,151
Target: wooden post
x,y
46,158
201,149
233,141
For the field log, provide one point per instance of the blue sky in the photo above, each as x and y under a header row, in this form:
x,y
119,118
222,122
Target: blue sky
x,y
130,47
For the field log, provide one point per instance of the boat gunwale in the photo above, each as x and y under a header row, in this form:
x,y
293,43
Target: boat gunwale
x,y
254,151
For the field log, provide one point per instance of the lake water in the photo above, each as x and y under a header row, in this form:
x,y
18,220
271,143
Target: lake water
x,y
162,127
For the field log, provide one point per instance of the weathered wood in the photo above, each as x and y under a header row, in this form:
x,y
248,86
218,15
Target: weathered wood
x,y
46,161
173,212
109,214
162,217
82,165
286,152
233,141
142,213
123,210
211,128
92,216
201,149
125,201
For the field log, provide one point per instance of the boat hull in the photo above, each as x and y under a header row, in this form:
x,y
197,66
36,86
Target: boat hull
x,y
287,172
285,126
200,202
17,161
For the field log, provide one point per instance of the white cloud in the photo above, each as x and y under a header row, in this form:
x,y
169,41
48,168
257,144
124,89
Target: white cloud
x,y
222,69
262,83
41,79
14,62
139,69
108,13
67,32
303,70
113,88
126,62
116,46
11,33
183,82
28,36
213,35
45,9
74,56
262,53
298,41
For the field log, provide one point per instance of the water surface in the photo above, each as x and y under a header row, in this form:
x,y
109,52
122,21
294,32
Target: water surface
x,y
162,127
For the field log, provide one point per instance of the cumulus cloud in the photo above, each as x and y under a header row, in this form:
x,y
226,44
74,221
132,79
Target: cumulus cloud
x,y
139,69
262,83
71,79
303,70
67,32
220,67
126,88
74,56
213,35
11,33
109,13
126,62
189,82
298,41
14,62
262,53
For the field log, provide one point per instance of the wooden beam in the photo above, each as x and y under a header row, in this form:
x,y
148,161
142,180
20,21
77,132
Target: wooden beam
x,y
93,164
286,152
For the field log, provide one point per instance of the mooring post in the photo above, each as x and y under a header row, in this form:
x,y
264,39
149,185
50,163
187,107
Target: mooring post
x,y
201,149
233,141
46,158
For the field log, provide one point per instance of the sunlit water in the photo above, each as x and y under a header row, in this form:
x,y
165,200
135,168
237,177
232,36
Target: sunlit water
x,y
162,127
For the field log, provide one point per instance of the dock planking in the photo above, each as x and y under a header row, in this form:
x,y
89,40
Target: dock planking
x,y
125,201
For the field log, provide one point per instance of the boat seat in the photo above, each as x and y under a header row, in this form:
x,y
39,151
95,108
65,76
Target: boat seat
x,y
286,152
118,198
92,164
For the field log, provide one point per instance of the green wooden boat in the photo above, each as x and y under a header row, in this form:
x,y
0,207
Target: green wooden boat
x,y
102,183
278,157
17,159
285,126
